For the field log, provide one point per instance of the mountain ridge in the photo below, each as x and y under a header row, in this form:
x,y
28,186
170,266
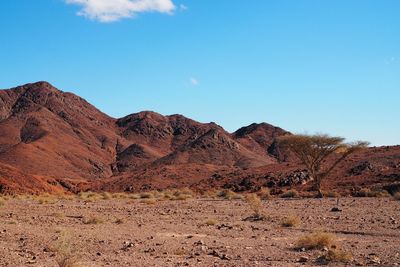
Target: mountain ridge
x,y
62,140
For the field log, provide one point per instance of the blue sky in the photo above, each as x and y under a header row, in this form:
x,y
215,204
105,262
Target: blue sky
x,y
330,66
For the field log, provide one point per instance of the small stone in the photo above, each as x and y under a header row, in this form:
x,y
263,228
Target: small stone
x,y
374,259
303,259
204,249
200,243
336,209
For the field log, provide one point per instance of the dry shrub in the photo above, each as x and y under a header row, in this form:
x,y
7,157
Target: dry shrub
x,y
134,196
213,193
146,195
290,221
67,252
46,199
264,193
106,196
182,194
149,201
90,196
255,204
179,251
211,222
331,194
336,255
187,191
229,194
397,196
316,241
290,194
3,201
93,220
366,192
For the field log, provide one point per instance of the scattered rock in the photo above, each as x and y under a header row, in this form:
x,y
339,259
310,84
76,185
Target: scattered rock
x,y
220,255
303,259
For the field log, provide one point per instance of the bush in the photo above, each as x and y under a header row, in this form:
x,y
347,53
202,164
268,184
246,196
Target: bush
x,y
336,255
2,201
211,222
90,196
316,241
149,201
93,220
229,194
67,252
290,221
331,194
290,194
46,199
365,192
255,204
146,195
264,193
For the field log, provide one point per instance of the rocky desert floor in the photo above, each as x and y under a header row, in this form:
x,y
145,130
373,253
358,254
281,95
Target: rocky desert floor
x,y
194,232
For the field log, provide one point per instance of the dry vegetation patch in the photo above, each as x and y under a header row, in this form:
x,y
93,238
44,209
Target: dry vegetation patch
x,y
229,195
93,220
211,222
290,221
46,199
67,252
366,192
317,240
255,205
264,193
336,255
290,194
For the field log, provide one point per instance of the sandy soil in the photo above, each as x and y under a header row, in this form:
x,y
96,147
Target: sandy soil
x,y
176,233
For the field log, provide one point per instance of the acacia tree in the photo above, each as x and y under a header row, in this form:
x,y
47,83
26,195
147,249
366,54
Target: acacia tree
x,y
314,150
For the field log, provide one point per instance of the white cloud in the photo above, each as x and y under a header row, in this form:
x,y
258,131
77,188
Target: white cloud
x,y
194,81
113,10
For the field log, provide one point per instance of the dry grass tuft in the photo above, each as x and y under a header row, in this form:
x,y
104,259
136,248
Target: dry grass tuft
x,y
337,255
397,196
255,204
149,201
290,221
211,222
331,194
229,194
93,220
264,193
58,215
290,194
3,201
90,196
366,192
213,193
46,199
318,240
146,195
67,252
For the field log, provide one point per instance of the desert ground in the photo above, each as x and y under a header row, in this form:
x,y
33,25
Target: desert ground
x,y
196,232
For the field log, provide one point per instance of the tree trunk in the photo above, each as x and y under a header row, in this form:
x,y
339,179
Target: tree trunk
x,y
318,187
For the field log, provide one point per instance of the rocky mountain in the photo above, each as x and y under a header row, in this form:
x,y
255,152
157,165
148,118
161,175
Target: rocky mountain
x,y
56,141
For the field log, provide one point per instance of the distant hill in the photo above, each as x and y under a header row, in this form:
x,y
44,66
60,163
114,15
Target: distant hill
x,y
55,141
